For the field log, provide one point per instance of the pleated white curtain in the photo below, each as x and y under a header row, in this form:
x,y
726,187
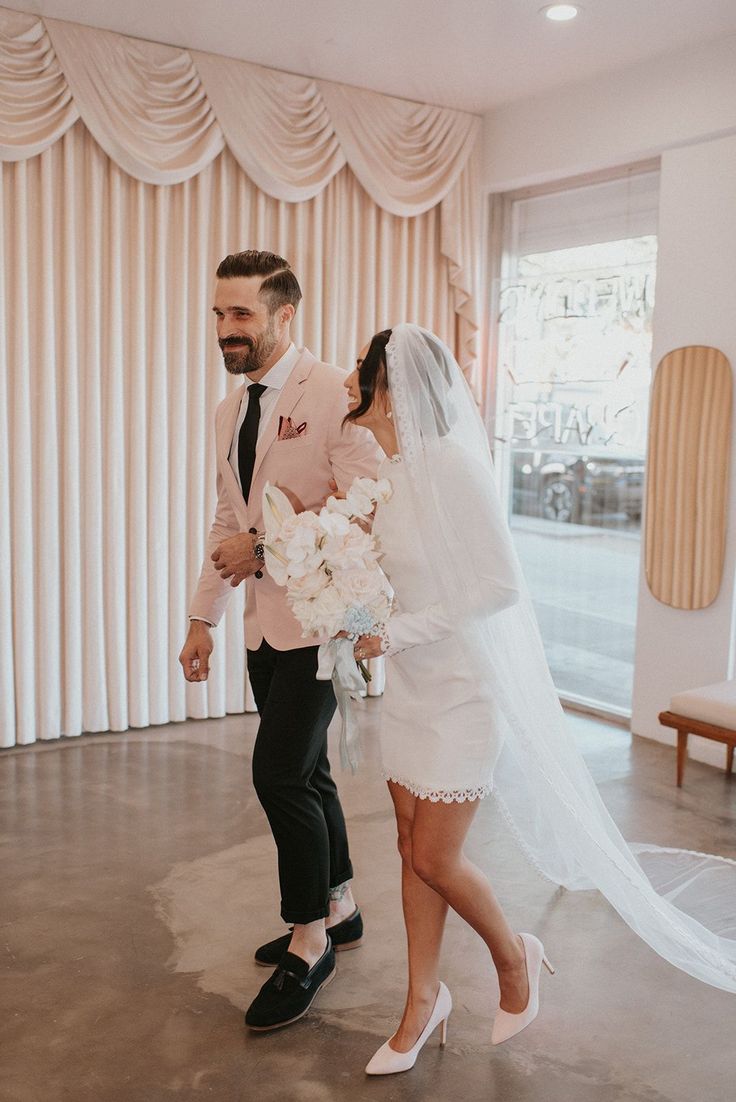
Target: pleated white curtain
x,y
109,376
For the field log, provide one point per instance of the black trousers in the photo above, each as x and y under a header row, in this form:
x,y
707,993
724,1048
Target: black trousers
x,y
291,775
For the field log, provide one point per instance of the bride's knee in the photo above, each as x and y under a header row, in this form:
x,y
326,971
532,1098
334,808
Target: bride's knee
x,y
403,844
431,866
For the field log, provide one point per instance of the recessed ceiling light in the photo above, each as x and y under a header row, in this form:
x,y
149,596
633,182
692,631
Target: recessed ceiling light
x,y
561,13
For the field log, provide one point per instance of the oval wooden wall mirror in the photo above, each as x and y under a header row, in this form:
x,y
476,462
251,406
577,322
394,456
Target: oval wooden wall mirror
x,y
687,476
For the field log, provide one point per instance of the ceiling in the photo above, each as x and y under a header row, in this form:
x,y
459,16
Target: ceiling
x,y
469,54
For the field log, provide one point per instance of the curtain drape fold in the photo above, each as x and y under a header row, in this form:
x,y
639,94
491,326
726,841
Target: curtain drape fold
x,y
460,236
406,155
276,126
143,102
36,105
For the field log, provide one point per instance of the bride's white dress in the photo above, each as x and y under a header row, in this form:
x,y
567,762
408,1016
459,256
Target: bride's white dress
x,y
449,733
440,731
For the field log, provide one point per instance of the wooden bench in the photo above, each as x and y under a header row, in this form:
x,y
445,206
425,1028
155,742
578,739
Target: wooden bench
x,y
709,712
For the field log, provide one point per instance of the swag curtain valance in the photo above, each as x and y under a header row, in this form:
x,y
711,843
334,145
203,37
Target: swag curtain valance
x,y
163,114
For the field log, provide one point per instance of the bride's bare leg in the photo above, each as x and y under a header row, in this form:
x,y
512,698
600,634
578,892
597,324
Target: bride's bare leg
x,y
424,917
438,834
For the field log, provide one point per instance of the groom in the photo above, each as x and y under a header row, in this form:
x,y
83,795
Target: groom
x,y
284,426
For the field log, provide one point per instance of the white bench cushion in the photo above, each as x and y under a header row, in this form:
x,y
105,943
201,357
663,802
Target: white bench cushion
x,y
712,704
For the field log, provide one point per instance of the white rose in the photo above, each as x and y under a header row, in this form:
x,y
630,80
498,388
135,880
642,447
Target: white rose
x,y
380,605
308,586
323,614
358,587
305,566
302,547
302,610
352,549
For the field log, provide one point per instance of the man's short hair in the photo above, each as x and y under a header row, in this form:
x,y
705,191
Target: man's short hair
x,y
280,286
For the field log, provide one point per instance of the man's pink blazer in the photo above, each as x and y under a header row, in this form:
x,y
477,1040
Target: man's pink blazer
x,y
302,468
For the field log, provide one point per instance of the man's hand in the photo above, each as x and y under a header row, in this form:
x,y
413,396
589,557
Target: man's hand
x,y
334,492
234,558
195,654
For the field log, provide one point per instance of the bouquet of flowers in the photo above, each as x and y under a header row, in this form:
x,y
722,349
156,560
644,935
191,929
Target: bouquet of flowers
x,y
329,565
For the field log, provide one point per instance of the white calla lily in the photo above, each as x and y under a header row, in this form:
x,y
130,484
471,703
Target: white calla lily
x,y
276,509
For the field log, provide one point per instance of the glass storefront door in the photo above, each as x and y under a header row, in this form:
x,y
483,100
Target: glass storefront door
x,y
575,329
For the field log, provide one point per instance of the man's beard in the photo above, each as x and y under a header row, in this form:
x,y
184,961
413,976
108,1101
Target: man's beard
x,y
246,361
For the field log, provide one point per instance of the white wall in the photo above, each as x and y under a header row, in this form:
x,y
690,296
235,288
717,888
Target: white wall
x,y
696,304
622,117
684,109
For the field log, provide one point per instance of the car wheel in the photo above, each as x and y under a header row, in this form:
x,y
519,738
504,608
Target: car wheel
x,y
558,501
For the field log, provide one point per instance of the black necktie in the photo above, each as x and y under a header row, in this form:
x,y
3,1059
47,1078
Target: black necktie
x,y
249,437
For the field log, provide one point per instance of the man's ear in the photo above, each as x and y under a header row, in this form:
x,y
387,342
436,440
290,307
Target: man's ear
x,y
286,314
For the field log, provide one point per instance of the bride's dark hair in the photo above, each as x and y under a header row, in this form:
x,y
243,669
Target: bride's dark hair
x,y
372,375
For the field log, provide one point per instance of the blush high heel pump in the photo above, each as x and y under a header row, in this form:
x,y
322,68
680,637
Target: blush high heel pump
x,y
507,1025
387,1061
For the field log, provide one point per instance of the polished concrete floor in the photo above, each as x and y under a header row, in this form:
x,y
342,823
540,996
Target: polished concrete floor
x,y
138,876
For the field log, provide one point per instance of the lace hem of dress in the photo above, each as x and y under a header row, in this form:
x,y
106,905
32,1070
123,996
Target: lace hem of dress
x,y
437,795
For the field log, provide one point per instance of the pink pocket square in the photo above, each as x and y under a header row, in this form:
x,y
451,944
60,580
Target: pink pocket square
x,y
289,431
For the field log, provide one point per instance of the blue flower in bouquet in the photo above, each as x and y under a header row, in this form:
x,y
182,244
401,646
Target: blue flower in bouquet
x,y
359,620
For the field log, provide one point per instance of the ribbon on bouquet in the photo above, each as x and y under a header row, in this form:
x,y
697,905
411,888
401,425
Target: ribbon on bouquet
x,y
335,661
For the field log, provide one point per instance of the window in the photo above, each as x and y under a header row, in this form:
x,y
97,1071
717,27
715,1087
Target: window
x,y
574,370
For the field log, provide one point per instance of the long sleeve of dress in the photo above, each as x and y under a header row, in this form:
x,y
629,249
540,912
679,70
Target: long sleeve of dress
x,y
477,532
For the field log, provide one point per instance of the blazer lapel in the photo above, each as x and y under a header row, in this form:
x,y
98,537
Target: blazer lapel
x,y
227,428
289,398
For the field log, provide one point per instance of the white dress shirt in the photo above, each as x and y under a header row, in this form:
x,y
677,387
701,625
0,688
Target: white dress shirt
x,y
274,381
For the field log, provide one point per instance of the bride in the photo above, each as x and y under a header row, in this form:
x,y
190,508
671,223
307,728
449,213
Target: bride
x,y
470,709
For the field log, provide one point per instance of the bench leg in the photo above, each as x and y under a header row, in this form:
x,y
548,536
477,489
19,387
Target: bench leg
x,y
729,758
681,755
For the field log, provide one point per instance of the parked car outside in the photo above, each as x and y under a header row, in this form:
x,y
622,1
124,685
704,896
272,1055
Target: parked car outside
x,y
585,487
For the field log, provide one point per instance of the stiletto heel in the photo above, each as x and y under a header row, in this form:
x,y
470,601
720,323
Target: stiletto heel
x,y
387,1061
506,1025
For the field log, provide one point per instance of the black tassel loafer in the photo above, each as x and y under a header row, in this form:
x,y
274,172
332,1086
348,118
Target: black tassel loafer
x,y
288,994
347,934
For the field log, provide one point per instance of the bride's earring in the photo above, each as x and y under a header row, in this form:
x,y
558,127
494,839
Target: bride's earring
x,y
389,414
